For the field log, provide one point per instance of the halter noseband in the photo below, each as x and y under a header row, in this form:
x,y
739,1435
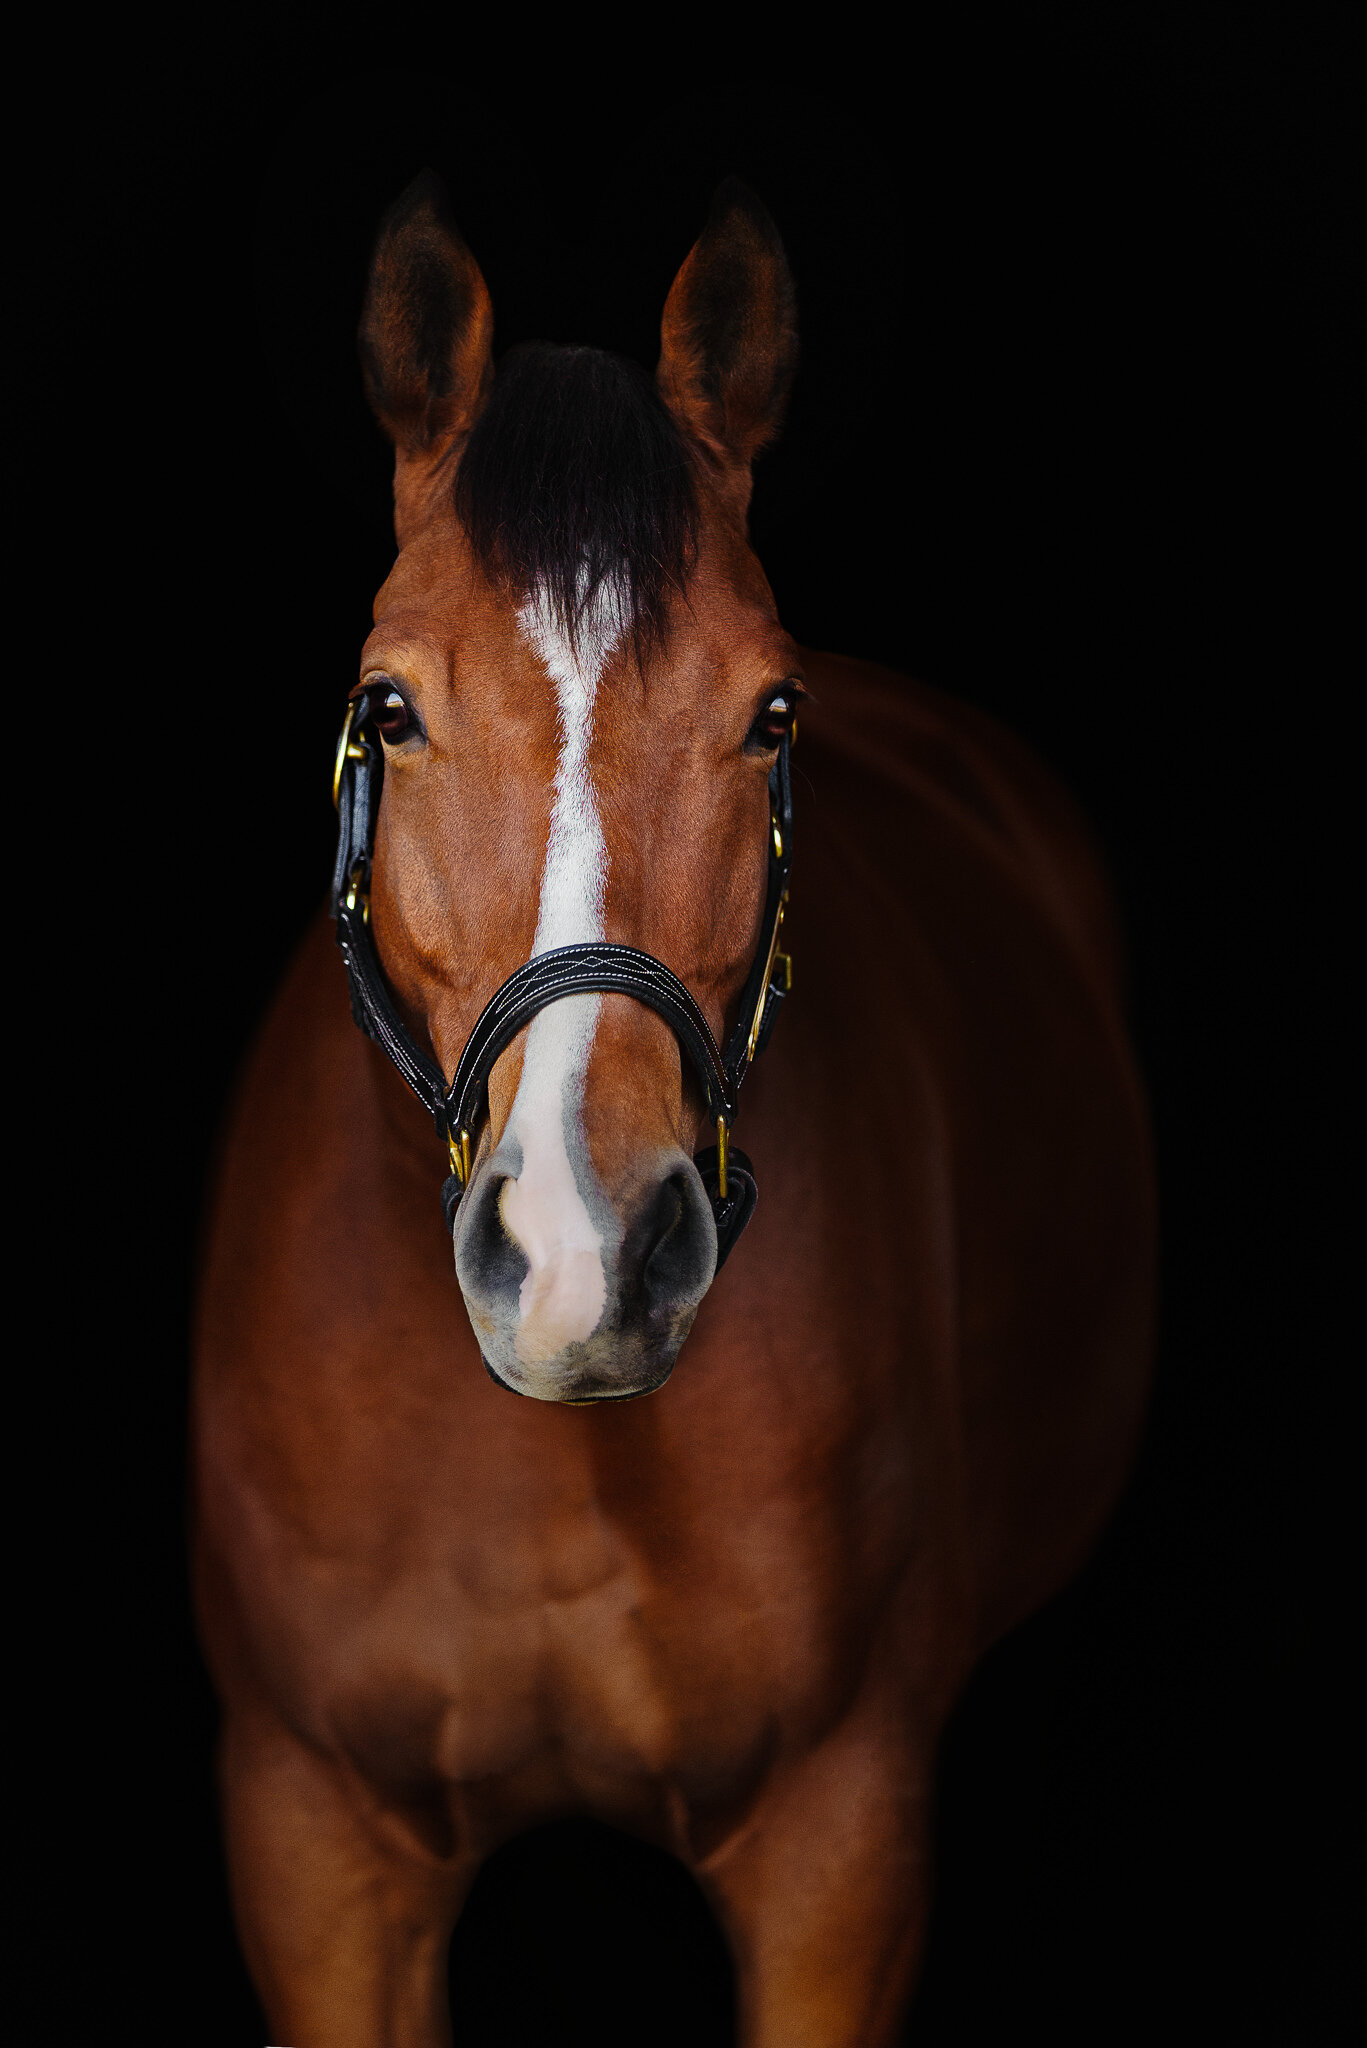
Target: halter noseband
x,y
458,1109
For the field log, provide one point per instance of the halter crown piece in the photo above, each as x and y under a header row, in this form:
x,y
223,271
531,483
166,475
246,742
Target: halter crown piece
x,y
459,1108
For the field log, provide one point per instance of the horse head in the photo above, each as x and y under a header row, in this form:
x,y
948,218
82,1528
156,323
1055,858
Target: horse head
x,y
580,685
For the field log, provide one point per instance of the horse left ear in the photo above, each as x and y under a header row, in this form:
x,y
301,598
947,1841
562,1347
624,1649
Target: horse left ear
x,y
728,342
427,328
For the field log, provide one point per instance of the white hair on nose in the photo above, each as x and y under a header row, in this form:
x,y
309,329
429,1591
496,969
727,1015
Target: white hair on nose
x,y
544,1210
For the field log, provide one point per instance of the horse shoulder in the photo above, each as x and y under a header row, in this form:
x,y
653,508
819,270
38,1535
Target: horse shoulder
x,y
962,932
328,1322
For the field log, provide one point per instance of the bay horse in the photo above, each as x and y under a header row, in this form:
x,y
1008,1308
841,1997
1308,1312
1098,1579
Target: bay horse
x,y
732,1618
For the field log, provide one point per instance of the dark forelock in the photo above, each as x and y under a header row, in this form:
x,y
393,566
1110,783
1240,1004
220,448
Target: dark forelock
x,y
575,473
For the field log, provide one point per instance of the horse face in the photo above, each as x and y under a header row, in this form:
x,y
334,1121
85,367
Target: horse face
x,y
583,683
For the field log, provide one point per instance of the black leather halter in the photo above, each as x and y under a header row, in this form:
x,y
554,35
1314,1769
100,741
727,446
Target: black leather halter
x,y
458,1109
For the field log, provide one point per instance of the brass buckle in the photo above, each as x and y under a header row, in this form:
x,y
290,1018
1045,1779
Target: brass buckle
x,y
355,894
774,955
347,750
459,1149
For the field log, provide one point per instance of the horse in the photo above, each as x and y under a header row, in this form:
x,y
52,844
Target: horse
x,y
455,1575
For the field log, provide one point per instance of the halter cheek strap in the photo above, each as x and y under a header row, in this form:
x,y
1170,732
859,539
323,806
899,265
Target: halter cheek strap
x,y
458,1109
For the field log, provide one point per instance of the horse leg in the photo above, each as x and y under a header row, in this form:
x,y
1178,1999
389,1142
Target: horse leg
x,y
823,1891
345,1936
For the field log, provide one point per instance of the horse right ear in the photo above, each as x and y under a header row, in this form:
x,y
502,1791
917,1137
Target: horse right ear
x,y
427,328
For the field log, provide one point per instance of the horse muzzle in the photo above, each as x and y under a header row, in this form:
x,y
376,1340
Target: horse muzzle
x,y
570,1299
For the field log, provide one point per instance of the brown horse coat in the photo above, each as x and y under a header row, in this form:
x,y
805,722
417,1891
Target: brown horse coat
x,y
731,1617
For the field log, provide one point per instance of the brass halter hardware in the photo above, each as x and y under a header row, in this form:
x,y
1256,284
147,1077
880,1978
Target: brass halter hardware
x,y
347,750
774,955
356,893
722,1135
459,1149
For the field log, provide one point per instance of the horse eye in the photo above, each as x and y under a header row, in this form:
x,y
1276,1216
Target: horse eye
x,y
393,720
773,722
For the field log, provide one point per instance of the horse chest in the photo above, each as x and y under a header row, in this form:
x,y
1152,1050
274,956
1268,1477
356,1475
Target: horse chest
x,y
560,1660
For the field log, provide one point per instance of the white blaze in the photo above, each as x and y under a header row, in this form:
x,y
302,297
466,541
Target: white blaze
x,y
565,1288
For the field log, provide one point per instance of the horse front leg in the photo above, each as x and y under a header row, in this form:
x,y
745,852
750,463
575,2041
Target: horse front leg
x,y
823,1892
344,1934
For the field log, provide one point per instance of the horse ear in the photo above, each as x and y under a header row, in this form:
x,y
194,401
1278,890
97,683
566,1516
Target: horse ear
x,y
728,343
427,326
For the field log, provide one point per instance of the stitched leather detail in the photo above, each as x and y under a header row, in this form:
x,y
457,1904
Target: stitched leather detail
x,y
582,970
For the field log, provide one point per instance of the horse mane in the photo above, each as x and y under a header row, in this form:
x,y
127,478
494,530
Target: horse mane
x,y
575,477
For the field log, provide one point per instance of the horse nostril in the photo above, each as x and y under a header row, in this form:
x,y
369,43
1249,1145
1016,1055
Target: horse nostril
x,y
489,1265
679,1239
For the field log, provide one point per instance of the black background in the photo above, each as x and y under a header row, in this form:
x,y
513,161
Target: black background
x,y
1069,440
